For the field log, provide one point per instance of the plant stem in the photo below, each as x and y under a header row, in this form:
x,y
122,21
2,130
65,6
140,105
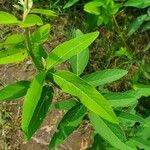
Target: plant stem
x,y
38,65
120,33
36,62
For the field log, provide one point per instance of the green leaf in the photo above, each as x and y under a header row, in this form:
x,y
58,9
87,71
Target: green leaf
x,y
31,20
141,92
70,122
70,3
126,117
93,7
39,55
139,142
40,111
41,34
14,39
79,61
137,3
70,48
13,55
65,104
31,101
135,25
7,18
112,133
44,12
89,96
14,91
105,76
121,99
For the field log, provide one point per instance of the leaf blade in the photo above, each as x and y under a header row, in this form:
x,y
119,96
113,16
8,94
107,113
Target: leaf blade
x,y
88,95
70,48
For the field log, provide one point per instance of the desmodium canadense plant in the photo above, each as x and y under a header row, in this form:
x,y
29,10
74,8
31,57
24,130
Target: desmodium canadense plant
x,y
103,110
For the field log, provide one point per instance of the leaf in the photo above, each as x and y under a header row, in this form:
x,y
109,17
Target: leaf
x,y
31,20
31,101
7,18
44,12
70,48
120,99
89,96
70,3
41,34
105,76
70,122
39,55
135,25
14,91
14,39
13,55
40,111
65,104
140,92
79,61
93,7
137,3
139,142
112,133
126,117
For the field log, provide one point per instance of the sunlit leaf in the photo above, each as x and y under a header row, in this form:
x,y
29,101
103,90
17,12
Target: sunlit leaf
x,y
31,101
13,55
88,95
79,61
6,18
104,76
70,48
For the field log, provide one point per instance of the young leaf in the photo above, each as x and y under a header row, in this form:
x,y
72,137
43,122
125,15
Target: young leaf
x,y
6,18
134,26
40,111
70,122
31,101
70,3
31,20
44,12
93,7
139,142
13,55
79,61
137,3
41,34
120,99
70,48
88,95
14,91
112,133
65,104
105,76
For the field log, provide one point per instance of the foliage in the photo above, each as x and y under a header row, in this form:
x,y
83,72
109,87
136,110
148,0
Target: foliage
x,y
111,114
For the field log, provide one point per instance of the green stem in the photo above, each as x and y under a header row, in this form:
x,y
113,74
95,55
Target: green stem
x,y
120,33
29,46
